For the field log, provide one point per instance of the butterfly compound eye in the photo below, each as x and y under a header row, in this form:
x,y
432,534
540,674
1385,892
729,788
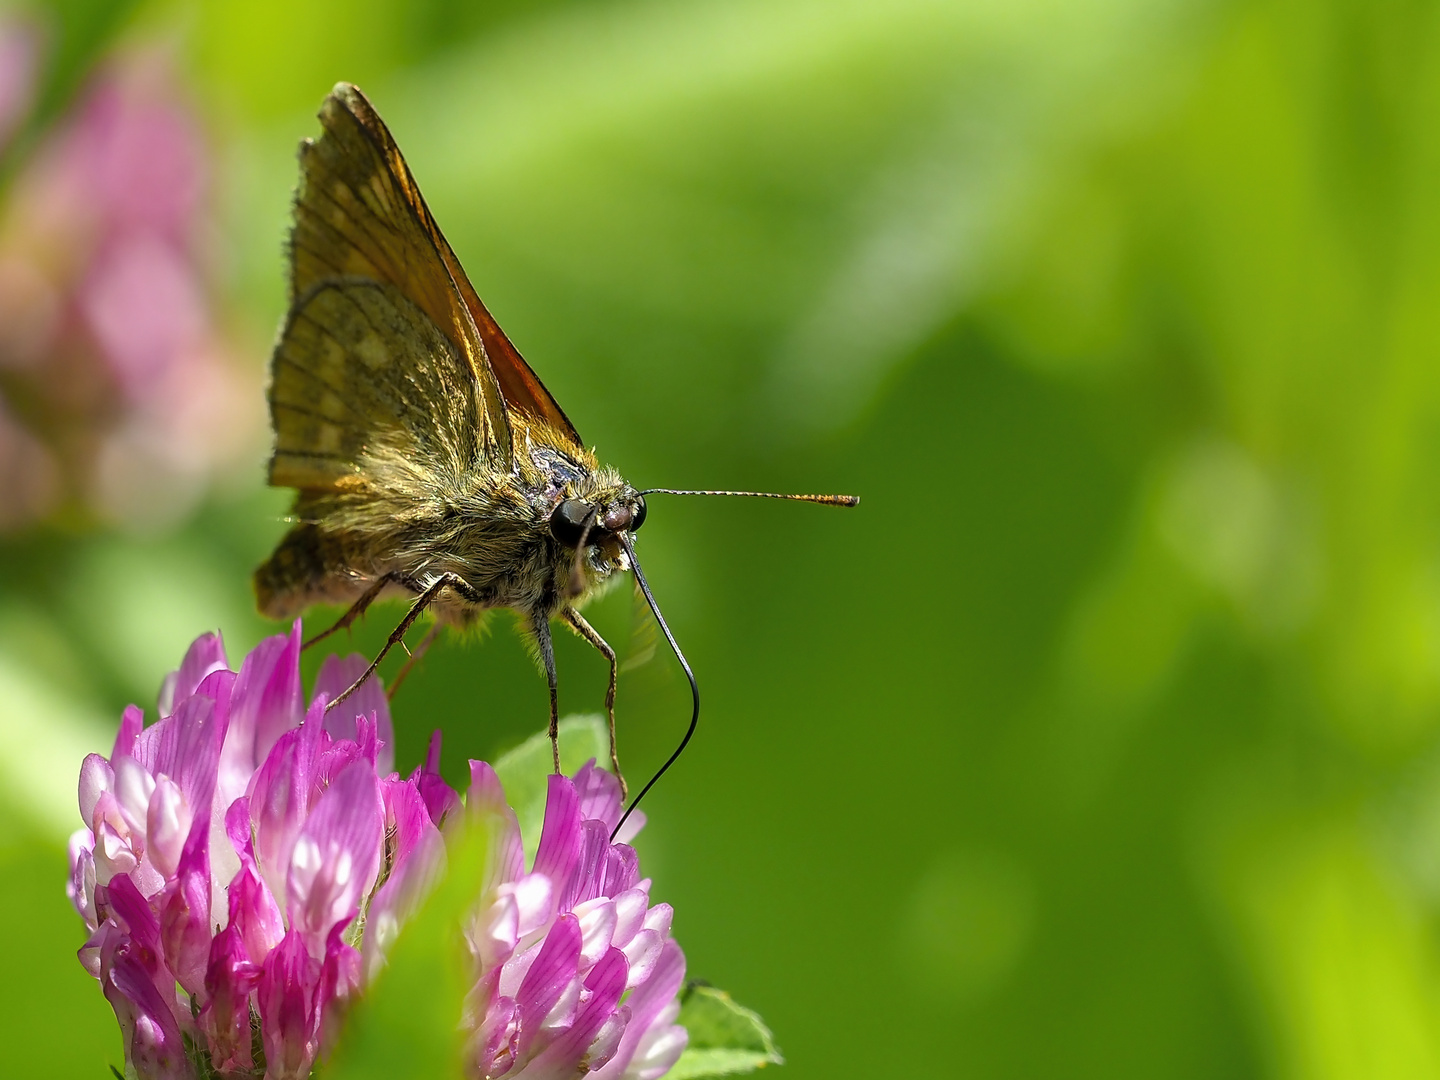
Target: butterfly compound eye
x,y
638,518
567,522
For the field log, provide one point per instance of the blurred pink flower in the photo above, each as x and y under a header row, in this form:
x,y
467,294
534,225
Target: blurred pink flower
x,y
19,64
29,479
246,863
108,346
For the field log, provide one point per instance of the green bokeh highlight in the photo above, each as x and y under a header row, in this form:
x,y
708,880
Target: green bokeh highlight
x,y
1102,739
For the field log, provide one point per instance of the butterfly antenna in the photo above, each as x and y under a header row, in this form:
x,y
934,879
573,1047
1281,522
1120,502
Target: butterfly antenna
x,y
685,664
824,500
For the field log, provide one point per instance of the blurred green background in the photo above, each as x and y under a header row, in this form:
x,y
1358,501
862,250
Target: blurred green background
x,y
1104,738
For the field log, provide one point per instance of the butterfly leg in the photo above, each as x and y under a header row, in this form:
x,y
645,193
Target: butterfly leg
x,y
577,622
394,577
412,660
543,640
424,600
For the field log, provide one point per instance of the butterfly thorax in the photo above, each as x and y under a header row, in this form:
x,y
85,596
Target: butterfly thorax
x,y
490,528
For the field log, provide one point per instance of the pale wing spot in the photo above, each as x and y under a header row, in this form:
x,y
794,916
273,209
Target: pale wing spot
x,y
371,351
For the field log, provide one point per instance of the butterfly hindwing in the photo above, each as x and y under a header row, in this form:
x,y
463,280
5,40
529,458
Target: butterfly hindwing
x,y
359,375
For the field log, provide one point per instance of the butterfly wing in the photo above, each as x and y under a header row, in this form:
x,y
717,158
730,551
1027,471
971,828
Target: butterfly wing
x,y
380,355
521,388
369,395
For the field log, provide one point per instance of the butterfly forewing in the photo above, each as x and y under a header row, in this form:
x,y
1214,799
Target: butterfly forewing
x,y
359,219
520,387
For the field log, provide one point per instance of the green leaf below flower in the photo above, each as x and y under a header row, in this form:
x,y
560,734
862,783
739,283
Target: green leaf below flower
x,y
405,1024
526,770
726,1039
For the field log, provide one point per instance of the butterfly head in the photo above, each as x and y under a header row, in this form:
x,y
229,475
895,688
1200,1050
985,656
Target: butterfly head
x,y
597,522
596,532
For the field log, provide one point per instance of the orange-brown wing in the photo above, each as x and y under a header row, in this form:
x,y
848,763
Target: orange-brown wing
x,y
521,387
360,219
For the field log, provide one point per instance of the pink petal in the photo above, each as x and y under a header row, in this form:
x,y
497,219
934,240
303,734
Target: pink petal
x,y
659,917
133,788
81,886
205,655
570,1052
337,675
543,990
185,916
153,1045
494,932
496,1038
132,722
280,798
562,836
597,925
185,746
96,777
486,800
114,848
600,797
643,953
588,873
630,907
230,978
254,914
535,896
659,1048
607,1040
439,798
622,870
267,702
287,996
337,855
123,900
406,818
237,830
339,753
167,824
650,1037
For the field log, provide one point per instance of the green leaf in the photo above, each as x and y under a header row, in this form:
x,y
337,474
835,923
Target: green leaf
x,y
524,771
408,1022
725,1038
